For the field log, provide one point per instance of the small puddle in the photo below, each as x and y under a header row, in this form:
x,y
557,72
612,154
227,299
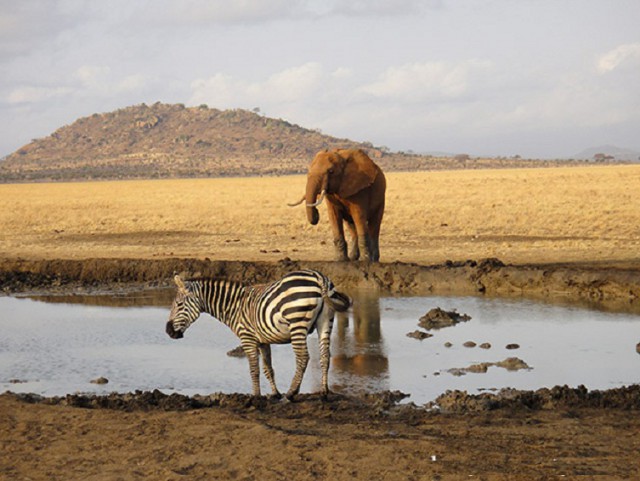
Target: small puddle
x,y
56,345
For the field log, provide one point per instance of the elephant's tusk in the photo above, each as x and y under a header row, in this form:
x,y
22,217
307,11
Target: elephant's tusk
x,y
319,201
296,203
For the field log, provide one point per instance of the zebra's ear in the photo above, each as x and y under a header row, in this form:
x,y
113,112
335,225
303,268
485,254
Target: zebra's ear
x,y
181,287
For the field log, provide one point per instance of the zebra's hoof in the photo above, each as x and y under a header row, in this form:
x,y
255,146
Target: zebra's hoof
x,y
291,397
276,396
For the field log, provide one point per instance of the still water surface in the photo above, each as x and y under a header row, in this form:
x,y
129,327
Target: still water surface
x,y
55,346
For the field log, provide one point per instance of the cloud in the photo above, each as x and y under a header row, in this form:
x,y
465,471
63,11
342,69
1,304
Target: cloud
x,y
292,85
367,8
29,94
200,12
223,11
418,82
622,55
87,81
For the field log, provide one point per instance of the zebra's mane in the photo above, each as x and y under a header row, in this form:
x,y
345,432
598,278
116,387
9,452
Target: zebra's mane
x,y
202,279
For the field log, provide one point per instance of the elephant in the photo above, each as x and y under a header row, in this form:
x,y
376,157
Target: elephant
x,y
354,187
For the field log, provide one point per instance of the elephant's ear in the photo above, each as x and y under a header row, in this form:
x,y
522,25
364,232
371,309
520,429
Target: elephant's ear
x,y
359,172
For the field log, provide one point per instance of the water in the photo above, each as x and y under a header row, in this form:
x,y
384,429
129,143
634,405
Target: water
x,y
55,346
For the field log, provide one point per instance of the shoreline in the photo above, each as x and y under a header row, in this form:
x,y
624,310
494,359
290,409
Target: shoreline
x,y
592,285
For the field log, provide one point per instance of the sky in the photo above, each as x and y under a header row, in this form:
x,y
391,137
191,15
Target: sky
x,y
535,78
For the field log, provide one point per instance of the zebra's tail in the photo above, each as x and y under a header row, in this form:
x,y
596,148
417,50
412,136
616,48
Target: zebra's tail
x,y
337,300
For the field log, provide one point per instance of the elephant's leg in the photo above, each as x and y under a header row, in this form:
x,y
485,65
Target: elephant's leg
x,y
354,251
374,233
339,242
362,230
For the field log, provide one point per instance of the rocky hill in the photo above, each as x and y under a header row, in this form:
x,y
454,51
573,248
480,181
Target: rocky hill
x,y
162,141
602,152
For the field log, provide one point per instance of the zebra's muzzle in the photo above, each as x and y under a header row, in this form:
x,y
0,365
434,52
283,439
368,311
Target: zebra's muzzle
x,y
173,334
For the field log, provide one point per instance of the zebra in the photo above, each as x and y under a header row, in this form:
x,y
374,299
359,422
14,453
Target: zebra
x,y
282,312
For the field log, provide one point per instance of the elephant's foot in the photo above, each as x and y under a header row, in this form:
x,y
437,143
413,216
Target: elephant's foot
x,y
340,246
363,245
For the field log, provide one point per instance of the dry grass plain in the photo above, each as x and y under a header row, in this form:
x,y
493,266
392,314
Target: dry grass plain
x,y
577,214
571,214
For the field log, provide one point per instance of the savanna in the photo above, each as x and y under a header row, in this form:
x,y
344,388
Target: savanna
x,y
584,217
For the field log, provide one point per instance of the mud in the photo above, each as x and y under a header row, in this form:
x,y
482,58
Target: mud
x,y
594,285
510,434
365,405
544,434
510,364
438,318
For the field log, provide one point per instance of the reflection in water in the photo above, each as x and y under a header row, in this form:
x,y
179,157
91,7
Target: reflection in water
x,y
147,298
360,356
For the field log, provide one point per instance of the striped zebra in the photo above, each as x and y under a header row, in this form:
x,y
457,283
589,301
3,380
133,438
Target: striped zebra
x,y
285,311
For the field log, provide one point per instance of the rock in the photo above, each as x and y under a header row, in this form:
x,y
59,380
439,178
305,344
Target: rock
x,y
438,318
512,346
638,348
100,380
420,335
469,344
510,364
485,345
447,344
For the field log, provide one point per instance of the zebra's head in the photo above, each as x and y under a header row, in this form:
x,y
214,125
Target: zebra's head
x,y
185,310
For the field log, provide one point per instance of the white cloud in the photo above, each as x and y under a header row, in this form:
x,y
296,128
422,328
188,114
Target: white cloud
x,y
99,80
417,82
361,8
92,76
31,94
292,85
224,11
620,56
87,81
258,11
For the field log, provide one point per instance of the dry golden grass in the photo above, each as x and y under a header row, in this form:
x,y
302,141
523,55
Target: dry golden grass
x,y
524,215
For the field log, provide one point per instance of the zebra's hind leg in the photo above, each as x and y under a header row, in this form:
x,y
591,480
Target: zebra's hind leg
x,y
325,326
265,351
299,344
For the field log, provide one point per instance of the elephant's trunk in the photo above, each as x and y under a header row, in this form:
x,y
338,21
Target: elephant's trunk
x,y
315,185
319,201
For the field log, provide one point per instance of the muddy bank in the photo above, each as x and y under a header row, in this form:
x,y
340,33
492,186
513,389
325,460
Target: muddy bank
x,y
365,405
608,287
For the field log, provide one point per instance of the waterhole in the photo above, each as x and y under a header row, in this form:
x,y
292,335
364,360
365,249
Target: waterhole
x,y
60,345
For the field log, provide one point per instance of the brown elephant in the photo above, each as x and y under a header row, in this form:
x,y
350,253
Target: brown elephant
x,y
354,187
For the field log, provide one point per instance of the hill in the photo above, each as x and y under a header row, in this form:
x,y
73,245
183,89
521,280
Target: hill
x,y
616,153
171,141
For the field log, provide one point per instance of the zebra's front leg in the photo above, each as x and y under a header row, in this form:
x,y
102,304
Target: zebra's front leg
x,y
251,350
299,344
265,351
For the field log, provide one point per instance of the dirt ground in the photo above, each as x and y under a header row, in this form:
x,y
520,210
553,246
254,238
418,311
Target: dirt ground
x,y
588,255
155,437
